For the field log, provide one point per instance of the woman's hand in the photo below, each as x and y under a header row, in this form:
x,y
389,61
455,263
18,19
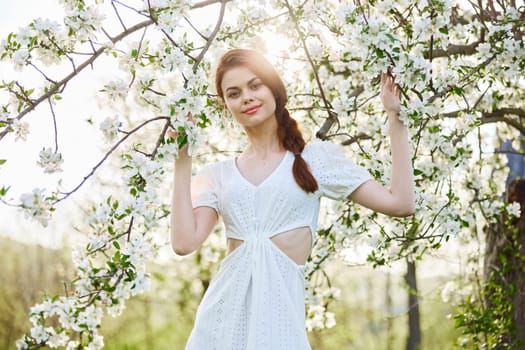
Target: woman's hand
x,y
174,134
390,93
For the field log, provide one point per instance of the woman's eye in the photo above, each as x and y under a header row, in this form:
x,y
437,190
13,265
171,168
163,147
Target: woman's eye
x,y
233,94
255,86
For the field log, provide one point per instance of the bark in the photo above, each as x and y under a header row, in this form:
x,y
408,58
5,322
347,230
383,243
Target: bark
x,y
414,327
505,261
389,319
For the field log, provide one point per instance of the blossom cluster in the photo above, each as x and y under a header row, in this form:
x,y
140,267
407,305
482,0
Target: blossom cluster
x,y
37,205
50,160
317,299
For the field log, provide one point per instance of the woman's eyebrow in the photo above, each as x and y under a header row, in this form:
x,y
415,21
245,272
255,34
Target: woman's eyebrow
x,y
248,83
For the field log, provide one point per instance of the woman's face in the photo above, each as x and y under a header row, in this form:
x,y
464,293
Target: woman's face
x,y
249,101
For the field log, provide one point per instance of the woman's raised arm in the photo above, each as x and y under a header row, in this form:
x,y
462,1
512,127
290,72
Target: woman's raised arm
x,y
189,227
399,200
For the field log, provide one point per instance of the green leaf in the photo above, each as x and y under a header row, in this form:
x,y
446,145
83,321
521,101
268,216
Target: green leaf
x,y
3,190
380,53
2,161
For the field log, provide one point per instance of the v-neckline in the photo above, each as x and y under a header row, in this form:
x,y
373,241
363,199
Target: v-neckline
x,y
267,178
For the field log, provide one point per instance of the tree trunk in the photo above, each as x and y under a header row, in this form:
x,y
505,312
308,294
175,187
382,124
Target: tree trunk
x,y
390,312
505,262
414,329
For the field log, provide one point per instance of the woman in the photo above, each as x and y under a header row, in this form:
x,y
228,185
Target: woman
x,y
268,198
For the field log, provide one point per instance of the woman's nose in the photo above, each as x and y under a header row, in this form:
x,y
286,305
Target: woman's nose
x,y
247,97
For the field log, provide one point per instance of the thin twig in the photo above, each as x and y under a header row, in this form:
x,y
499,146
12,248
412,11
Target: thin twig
x,y
106,156
118,15
160,139
43,74
55,128
195,28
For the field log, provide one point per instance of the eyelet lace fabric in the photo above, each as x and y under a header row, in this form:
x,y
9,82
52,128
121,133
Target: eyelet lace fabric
x,y
256,300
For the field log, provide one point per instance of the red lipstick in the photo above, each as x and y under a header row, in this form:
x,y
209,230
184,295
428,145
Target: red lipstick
x,y
252,110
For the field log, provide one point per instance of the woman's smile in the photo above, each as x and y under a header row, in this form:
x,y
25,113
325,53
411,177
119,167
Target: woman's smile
x,y
252,110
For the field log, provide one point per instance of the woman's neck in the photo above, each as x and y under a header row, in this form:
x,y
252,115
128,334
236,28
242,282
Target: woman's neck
x,y
263,141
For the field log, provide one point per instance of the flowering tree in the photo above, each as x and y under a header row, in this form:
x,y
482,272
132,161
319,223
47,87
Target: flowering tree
x,y
460,68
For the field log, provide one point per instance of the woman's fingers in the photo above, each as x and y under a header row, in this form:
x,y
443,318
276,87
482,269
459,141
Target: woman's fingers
x,y
174,134
388,84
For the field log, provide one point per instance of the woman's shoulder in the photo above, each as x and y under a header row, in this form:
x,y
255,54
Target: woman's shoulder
x,y
320,148
214,169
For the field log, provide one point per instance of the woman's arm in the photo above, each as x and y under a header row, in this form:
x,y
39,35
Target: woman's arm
x,y
399,200
189,227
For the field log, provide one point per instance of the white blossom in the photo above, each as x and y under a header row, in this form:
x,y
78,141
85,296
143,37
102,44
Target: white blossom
x,y
21,130
83,21
21,344
40,333
24,36
21,58
50,160
96,344
57,339
116,310
110,128
171,12
116,90
72,345
141,283
514,209
36,205
167,152
89,319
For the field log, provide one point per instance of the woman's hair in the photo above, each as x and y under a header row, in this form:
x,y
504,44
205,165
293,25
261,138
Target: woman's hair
x,y
288,132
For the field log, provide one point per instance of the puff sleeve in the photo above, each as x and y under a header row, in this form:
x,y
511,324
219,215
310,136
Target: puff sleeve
x,y
205,188
336,175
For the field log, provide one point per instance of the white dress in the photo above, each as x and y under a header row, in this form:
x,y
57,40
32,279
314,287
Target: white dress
x,y
256,300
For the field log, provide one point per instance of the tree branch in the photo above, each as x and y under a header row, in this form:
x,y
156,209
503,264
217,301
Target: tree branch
x,y
62,83
454,49
325,128
497,115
